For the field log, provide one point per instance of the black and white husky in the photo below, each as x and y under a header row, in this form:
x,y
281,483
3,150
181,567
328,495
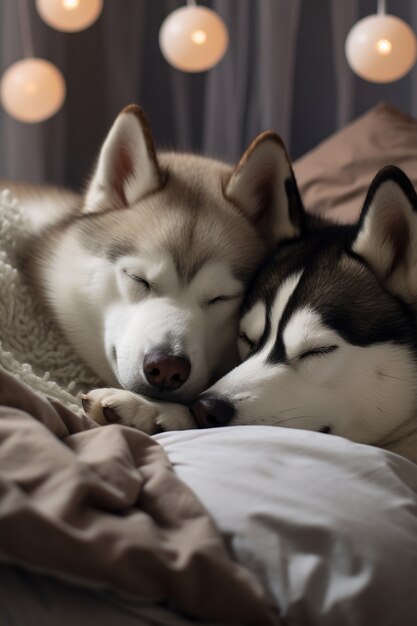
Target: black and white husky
x,y
328,331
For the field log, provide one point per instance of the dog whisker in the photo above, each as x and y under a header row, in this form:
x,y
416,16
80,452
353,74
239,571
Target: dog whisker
x,y
298,417
393,377
295,408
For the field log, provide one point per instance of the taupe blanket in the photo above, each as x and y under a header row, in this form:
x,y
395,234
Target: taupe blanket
x,y
102,505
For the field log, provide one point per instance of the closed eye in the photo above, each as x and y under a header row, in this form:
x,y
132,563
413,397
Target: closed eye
x,y
318,351
140,280
218,299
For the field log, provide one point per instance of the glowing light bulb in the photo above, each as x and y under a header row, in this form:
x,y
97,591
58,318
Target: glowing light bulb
x,y
69,15
199,37
31,87
32,90
193,38
70,4
381,48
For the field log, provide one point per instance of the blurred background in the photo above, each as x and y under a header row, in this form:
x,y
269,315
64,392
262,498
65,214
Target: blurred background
x,y
285,69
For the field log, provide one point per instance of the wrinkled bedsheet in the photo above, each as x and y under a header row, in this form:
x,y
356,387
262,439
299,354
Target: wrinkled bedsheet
x,y
103,507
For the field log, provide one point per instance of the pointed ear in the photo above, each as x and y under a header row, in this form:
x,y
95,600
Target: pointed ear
x,y
263,186
127,167
387,231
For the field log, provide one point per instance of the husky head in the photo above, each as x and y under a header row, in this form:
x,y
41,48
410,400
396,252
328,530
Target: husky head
x,y
328,328
147,282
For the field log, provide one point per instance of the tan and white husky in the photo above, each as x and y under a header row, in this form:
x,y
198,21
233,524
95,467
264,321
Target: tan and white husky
x,y
146,272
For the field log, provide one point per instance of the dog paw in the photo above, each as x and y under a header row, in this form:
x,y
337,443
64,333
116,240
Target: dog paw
x,y
174,417
109,406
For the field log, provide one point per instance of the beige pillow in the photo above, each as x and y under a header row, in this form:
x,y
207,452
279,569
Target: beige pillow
x,y
334,177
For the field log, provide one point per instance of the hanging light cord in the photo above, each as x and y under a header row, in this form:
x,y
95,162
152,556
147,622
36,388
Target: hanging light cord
x,y
25,30
192,3
382,7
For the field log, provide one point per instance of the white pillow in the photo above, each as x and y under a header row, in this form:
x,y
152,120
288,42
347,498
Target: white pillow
x,y
327,525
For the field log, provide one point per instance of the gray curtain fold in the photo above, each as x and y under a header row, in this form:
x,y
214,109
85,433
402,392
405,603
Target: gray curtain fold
x,y
31,151
225,115
252,88
278,30
343,15
285,69
11,50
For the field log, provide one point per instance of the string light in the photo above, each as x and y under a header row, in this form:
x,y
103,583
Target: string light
x,y
32,89
193,38
69,15
381,48
70,4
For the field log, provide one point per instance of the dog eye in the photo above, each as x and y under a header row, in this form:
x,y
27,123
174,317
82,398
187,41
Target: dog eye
x,y
219,299
139,280
243,336
318,351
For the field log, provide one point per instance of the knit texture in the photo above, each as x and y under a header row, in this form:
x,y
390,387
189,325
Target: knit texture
x,y
32,347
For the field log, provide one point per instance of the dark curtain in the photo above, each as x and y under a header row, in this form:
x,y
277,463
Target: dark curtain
x,y
285,69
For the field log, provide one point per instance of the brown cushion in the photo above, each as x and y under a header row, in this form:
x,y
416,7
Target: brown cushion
x,y
334,177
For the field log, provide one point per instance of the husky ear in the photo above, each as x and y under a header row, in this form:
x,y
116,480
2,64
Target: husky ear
x,y
387,231
263,186
127,167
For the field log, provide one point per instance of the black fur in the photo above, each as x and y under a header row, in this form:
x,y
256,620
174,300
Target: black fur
x,y
336,283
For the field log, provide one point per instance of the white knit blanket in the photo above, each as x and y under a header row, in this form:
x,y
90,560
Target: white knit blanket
x,y
32,347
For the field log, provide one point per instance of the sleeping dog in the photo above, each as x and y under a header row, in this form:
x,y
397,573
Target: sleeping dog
x,y
145,273
328,334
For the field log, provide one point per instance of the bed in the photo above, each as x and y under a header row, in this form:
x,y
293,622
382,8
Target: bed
x,y
240,525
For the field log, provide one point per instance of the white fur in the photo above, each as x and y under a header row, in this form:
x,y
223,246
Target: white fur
x,y
97,295
139,412
360,392
304,332
281,300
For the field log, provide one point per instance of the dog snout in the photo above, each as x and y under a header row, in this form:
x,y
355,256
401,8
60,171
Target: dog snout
x,y
165,371
211,411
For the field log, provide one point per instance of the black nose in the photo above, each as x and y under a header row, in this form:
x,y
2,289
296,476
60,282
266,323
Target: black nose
x,y
166,371
211,411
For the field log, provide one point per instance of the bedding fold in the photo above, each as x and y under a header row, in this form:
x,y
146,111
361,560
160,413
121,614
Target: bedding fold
x,y
103,506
